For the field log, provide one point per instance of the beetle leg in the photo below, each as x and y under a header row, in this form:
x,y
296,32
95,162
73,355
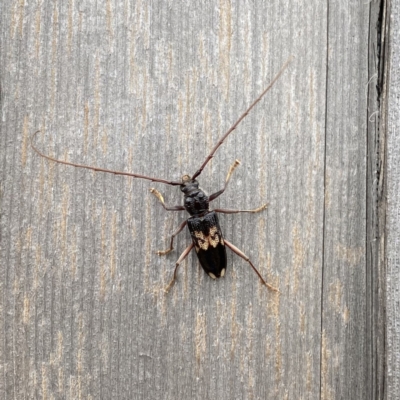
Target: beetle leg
x,y
241,254
160,198
171,247
228,177
180,259
229,211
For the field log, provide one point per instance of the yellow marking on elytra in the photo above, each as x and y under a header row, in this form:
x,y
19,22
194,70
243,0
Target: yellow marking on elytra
x,y
222,272
213,238
212,275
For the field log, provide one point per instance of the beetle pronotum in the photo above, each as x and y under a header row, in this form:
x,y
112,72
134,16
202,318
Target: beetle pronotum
x,y
203,223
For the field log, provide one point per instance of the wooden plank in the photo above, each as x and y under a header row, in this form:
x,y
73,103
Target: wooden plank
x,y
149,87
375,205
392,259
345,312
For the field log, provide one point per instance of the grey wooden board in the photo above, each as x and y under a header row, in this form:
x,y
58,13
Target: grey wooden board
x,y
149,87
376,204
393,206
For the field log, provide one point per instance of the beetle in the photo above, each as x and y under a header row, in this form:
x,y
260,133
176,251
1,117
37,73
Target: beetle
x,y
203,224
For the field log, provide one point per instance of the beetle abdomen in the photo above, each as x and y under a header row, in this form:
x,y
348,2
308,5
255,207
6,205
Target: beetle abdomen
x,y
209,243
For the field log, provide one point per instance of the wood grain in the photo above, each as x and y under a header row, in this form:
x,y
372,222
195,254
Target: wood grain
x,y
150,87
392,259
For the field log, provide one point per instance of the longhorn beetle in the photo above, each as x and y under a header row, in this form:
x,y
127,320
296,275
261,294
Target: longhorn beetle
x,y
203,223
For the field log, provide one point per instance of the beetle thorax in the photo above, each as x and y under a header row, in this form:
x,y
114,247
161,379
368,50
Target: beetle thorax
x,y
195,201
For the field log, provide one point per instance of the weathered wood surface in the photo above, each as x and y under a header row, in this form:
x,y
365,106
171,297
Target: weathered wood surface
x,y
150,87
393,207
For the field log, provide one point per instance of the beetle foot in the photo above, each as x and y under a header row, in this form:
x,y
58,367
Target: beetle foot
x,y
166,290
164,252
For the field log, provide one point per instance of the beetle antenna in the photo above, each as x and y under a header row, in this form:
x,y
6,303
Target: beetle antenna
x,y
233,127
149,178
